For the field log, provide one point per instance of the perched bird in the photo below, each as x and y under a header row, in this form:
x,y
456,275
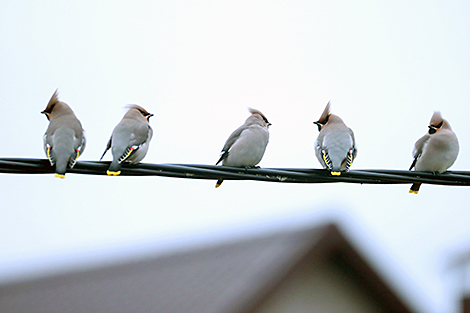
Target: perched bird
x,y
246,145
64,140
130,139
437,150
335,146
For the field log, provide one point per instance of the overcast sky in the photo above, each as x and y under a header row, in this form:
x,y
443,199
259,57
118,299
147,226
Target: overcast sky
x,y
198,65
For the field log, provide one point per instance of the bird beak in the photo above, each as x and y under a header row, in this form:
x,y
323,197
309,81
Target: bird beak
x,y
432,129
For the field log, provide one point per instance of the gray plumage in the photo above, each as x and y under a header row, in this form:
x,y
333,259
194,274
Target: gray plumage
x,y
335,146
130,139
437,150
64,140
246,145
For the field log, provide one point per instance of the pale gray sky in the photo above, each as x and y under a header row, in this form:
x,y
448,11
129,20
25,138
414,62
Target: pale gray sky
x,y
197,65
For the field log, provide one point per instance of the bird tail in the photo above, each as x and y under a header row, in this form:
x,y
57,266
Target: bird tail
x,y
336,170
114,169
219,182
61,167
415,188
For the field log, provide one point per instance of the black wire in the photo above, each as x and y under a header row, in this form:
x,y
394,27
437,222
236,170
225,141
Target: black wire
x,y
213,172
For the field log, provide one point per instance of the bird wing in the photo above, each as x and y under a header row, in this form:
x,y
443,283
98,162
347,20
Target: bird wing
x,y
79,147
230,141
139,136
418,149
353,148
318,150
48,148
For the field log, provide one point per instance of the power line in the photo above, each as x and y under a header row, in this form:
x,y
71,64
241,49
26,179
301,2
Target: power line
x,y
213,172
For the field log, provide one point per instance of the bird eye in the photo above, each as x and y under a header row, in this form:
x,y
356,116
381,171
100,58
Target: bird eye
x,y
147,115
321,123
436,127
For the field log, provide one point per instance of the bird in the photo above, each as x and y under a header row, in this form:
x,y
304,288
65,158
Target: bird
x,y
436,151
130,139
335,146
245,147
64,140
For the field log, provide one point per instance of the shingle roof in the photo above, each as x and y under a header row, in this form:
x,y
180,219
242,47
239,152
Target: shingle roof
x,y
225,278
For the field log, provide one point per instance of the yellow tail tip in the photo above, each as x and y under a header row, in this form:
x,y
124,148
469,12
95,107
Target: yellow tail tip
x,y
414,191
113,173
335,173
217,185
60,175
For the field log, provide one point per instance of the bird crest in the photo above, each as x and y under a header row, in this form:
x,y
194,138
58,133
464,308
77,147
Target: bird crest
x,y
436,123
323,118
326,112
54,100
254,111
436,119
142,111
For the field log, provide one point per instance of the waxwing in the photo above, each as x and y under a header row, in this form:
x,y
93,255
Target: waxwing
x,y
335,146
130,139
64,140
436,151
246,145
